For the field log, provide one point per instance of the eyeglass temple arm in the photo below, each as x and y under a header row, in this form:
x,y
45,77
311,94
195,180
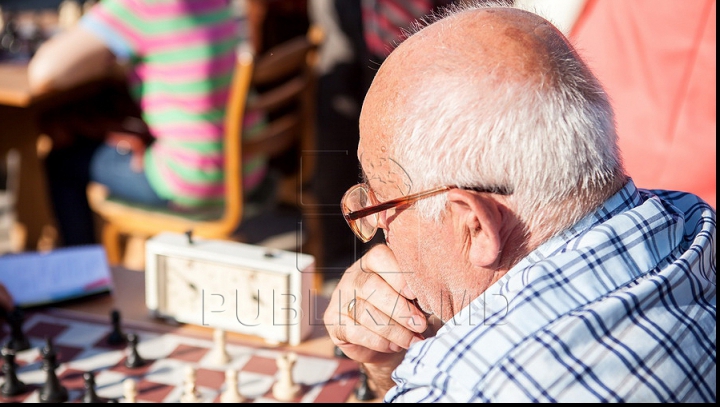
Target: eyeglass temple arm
x,y
370,210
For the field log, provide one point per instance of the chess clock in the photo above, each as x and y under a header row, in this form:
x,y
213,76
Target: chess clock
x,y
232,286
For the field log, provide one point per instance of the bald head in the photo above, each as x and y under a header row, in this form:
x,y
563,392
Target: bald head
x,y
496,97
478,46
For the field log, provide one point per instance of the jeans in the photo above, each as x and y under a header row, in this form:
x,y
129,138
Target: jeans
x,y
70,169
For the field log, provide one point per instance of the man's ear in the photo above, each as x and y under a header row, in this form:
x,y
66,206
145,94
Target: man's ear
x,y
478,219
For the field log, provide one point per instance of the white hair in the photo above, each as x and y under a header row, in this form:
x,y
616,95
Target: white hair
x,y
550,139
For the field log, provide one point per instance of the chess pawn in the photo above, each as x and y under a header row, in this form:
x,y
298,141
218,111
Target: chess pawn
x,y
231,393
52,391
12,385
130,390
285,389
363,392
48,352
339,353
219,355
116,337
190,393
18,341
90,396
133,359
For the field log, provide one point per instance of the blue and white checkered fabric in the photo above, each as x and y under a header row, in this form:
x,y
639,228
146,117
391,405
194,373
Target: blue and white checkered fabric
x,y
619,308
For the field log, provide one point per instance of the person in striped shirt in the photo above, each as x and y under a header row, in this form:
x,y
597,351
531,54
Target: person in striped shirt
x,y
521,263
179,57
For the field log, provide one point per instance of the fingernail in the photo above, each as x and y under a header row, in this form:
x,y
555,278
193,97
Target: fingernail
x,y
395,348
407,292
418,323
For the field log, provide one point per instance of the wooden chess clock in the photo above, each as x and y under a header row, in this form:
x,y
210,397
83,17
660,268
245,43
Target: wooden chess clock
x,y
231,286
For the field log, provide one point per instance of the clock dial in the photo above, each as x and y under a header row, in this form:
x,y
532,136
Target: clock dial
x,y
182,293
230,285
216,294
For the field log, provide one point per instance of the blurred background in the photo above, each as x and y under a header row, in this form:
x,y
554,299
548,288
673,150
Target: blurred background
x,y
656,59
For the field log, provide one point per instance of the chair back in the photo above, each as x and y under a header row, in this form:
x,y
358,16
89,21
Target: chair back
x,y
283,78
233,148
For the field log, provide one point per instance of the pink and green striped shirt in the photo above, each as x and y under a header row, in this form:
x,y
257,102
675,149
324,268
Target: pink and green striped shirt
x,y
182,54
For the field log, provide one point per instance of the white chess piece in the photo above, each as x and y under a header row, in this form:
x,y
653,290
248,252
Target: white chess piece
x,y
130,390
231,393
219,355
285,389
190,393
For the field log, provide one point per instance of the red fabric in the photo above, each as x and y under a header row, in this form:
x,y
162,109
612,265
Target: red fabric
x,y
385,20
657,61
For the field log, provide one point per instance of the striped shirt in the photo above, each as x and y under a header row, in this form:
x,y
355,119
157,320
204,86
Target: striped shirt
x,y
619,308
182,54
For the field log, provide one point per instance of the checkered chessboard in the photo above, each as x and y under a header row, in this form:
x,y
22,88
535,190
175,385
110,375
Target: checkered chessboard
x,y
80,342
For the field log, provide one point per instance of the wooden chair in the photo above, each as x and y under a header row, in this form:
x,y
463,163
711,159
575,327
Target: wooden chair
x,y
284,80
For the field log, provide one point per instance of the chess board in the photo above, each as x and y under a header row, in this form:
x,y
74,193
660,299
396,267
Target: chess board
x,y
80,342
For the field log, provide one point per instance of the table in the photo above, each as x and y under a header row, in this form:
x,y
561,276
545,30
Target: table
x,y
14,88
19,109
18,130
128,297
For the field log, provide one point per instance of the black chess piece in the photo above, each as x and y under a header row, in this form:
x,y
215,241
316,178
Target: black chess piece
x,y
48,352
339,353
116,337
52,391
12,385
363,392
133,359
18,341
90,396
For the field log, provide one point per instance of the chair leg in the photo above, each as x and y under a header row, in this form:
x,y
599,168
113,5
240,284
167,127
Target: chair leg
x,y
134,257
111,242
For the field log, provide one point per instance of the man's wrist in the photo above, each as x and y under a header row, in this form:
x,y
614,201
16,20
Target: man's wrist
x,y
380,374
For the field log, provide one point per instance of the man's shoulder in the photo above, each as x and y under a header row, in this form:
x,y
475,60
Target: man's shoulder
x,y
623,310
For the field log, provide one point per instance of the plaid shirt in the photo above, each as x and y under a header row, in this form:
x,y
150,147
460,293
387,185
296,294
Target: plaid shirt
x,y
618,308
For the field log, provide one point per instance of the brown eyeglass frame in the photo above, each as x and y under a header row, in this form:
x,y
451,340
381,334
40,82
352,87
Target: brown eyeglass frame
x,y
406,200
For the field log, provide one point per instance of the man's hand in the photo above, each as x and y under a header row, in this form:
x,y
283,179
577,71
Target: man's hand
x,y
130,143
372,317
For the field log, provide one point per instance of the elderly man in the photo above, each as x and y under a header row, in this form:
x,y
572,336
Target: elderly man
x,y
521,264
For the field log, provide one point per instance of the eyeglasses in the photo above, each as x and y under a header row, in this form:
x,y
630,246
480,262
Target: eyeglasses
x,y
360,209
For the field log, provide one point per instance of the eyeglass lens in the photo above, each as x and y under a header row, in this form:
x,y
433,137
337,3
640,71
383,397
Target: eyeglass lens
x,y
356,199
